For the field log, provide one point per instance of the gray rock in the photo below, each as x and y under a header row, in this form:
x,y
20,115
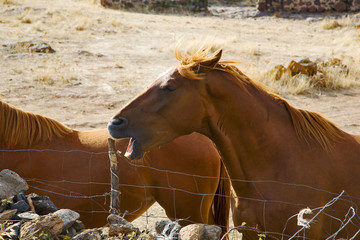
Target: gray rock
x,y
119,225
97,233
28,216
41,48
11,183
67,216
75,228
78,225
116,219
200,232
51,225
116,229
167,229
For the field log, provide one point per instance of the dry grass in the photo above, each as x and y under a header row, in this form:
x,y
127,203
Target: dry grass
x,y
328,78
10,2
45,76
346,21
329,24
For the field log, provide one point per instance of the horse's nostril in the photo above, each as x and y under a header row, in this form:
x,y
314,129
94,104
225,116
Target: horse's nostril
x,y
119,121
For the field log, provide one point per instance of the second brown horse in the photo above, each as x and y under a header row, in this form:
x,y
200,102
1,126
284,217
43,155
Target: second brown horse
x,y
72,167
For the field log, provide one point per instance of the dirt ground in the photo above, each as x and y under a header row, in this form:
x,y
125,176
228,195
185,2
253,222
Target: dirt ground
x,y
105,57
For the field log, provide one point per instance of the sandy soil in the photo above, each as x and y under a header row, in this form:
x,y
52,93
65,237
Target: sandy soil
x,y
105,57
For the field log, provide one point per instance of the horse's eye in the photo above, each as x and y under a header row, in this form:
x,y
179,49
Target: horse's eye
x,y
169,88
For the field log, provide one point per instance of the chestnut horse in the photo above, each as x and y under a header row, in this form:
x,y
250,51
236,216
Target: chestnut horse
x,y
280,159
72,168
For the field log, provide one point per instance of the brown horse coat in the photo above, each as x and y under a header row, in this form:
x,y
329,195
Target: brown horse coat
x,y
281,160
72,167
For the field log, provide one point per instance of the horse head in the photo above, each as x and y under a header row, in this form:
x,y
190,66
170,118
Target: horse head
x,y
173,105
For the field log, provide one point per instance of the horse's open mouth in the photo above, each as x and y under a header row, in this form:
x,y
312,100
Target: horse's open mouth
x,y
133,150
130,147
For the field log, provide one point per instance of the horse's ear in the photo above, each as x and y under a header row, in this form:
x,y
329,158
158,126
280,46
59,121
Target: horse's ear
x,y
211,63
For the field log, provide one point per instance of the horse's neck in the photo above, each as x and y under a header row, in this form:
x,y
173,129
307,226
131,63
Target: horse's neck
x,y
248,130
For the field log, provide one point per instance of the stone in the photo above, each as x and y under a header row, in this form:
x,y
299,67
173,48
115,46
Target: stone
x,y
41,48
200,232
43,205
75,228
309,5
7,215
78,225
67,216
355,6
262,7
302,67
312,9
213,232
340,6
97,233
28,216
48,225
158,5
116,229
119,225
167,229
11,183
21,206
116,219
19,197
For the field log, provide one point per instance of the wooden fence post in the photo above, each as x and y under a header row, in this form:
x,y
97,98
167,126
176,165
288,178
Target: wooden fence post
x,y
115,193
118,225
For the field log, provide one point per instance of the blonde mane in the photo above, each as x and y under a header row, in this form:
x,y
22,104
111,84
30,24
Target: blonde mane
x,y
19,129
307,124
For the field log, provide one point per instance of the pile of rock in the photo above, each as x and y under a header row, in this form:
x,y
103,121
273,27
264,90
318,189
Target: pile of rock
x,y
28,46
31,215
36,217
309,5
171,6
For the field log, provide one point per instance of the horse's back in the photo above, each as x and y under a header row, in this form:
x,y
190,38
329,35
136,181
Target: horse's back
x,y
357,138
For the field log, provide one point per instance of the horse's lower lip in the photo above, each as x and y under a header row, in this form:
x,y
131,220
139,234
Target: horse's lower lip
x,y
134,150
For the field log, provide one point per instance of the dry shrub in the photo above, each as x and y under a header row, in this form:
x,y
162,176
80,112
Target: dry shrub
x,y
308,77
83,22
19,47
8,2
329,24
25,16
346,21
45,76
56,77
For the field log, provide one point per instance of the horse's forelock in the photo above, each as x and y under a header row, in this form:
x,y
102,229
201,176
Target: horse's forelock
x,y
190,66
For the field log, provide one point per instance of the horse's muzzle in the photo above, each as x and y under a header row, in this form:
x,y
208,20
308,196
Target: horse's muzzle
x,y
117,127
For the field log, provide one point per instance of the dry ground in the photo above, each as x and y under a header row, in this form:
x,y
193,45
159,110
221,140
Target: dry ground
x,y
105,57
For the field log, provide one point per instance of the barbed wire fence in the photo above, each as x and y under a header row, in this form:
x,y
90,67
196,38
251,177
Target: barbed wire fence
x,y
54,187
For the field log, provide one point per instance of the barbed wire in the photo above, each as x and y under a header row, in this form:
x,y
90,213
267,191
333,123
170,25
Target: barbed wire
x,y
352,217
